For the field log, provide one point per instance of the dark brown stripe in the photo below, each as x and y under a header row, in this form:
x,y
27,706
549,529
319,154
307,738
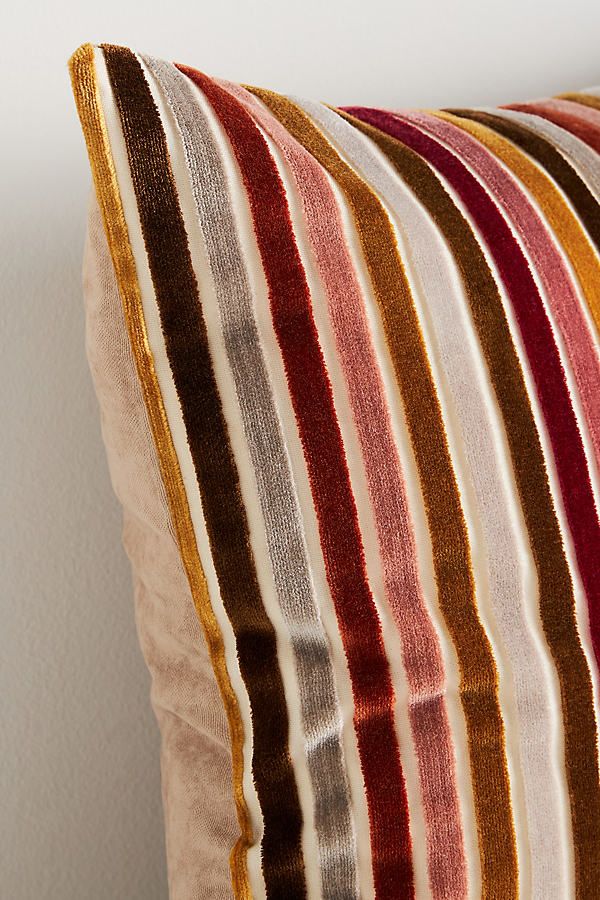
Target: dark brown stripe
x,y
188,351
551,159
568,121
557,603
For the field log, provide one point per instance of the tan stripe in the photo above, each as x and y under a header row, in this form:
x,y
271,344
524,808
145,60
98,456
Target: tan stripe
x,y
555,208
85,89
479,683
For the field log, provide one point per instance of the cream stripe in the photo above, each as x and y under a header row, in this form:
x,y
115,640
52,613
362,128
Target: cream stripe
x,y
319,724
579,594
167,387
580,154
509,565
578,590
367,526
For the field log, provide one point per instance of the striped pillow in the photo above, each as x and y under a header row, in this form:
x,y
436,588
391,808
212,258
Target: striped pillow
x,y
362,359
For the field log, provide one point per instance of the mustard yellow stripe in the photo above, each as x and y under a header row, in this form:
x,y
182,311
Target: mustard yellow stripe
x,y
447,527
87,98
555,208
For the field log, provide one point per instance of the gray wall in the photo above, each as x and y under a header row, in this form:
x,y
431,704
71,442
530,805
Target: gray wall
x,y
80,815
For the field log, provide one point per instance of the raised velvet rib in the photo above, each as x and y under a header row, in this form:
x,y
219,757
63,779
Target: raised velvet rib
x,y
367,341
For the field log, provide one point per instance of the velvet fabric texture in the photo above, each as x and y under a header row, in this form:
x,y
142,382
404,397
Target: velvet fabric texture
x,y
350,402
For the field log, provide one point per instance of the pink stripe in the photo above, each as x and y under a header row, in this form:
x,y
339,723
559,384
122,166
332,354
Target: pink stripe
x,y
580,120
550,265
539,345
577,110
421,652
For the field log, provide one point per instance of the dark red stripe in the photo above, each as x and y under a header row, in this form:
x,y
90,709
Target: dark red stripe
x,y
539,343
551,159
330,483
581,129
188,351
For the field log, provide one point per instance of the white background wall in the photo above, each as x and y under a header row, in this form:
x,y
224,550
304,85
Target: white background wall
x,y
80,815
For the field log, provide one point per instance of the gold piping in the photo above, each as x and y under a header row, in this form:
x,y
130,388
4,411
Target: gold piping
x,y
89,106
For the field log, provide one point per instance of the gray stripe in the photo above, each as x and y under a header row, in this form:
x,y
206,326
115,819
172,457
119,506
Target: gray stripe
x,y
582,157
320,707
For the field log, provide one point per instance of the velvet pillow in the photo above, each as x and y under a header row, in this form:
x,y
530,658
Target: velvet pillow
x,y
348,367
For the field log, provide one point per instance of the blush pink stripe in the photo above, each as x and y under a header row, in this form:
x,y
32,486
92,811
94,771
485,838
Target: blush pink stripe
x,y
562,298
580,120
577,110
420,645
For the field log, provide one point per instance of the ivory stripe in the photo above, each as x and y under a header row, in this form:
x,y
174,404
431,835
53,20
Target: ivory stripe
x,y
368,344
318,697
447,527
557,605
422,657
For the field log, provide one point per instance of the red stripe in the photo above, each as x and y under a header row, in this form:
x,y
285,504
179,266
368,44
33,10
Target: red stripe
x,y
341,544
583,130
539,344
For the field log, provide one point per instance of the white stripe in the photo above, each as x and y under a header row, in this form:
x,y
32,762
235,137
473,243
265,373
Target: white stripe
x,y
504,570
178,434
367,528
582,157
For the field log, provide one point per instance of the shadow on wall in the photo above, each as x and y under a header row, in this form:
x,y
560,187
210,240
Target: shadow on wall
x,y
79,765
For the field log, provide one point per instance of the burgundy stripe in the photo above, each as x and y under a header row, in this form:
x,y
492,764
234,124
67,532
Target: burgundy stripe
x,y
560,287
549,158
341,544
540,347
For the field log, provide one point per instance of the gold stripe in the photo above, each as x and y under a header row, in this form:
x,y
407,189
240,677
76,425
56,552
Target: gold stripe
x,y
556,210
447,527
89,107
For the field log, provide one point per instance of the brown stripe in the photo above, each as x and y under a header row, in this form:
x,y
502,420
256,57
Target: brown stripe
x,y
569,120
551,159
85,89
557,603
447,526
556,210
218,480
